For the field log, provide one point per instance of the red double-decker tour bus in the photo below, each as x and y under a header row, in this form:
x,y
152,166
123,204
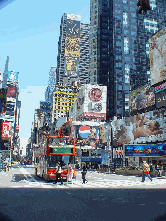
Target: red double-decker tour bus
x,y
55,149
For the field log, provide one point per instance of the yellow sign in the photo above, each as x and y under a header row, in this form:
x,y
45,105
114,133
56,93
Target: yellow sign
x,y
68,93
72,47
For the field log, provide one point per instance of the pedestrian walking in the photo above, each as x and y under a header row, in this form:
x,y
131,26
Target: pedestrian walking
x,y
58,172
70,174
146,170
114,167
158,168
151,168
84,171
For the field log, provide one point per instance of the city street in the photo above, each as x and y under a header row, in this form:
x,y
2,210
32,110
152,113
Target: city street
x,y
23,196
23,176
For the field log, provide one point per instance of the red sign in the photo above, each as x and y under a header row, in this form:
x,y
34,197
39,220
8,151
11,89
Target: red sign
x,y
17,127
5,130
95,94
11,91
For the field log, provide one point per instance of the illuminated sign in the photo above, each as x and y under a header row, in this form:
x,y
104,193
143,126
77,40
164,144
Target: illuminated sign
x,y
72,47
3,100
161,99
160,87
142,98
11,91
157,57
145,150
61,151
95,94
5,130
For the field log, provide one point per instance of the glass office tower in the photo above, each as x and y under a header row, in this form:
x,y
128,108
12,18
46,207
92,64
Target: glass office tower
x,y
119,48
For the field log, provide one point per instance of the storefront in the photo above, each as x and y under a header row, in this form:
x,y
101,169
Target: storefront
x,y
152,153
91,162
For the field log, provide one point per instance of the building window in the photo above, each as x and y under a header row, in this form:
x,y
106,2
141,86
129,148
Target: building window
x,y
127,79
133,27
133,15
118,65
126,32
125,7
126,45
118,43
133,33
152,4
125,19
151,25
147,49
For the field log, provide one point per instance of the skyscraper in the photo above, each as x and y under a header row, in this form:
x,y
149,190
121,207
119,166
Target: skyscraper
x,y
73,51
84,55
51,84
119,48
5,74
68,49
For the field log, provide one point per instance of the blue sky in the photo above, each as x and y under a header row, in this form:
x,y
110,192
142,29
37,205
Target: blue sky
x,y
29,33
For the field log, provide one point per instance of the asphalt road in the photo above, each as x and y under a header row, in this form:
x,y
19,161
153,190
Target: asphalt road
x,y
20,200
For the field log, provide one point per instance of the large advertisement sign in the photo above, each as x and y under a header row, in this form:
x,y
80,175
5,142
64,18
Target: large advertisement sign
x,y
72,65
157,46
12,76
145,150
86,135
161,99
142,128
11,91
73,28
142,98
92,102
3,100
5,130
72,47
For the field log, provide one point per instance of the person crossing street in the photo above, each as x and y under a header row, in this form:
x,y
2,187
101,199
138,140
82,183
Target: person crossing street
x,y
58,173
146,170
84,171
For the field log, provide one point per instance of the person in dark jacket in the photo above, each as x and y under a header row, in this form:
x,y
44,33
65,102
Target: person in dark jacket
x,y
58,171
158,168
84,171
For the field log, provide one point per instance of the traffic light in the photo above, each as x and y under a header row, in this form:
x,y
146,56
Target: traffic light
x,y
143,6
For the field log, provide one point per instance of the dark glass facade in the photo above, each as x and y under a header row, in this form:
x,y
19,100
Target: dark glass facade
x,y
119,48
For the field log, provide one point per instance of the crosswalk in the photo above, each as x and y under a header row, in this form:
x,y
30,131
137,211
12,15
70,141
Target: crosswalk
x,y
105,183
94,181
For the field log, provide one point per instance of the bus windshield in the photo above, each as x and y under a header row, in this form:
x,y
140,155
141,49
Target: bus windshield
x,y
64,160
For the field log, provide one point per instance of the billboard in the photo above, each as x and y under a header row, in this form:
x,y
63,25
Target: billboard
x,y
73,28
5,131
141,128
72,47
11,91
86,135
44,106
74,17
3,100
142,98
157,46
160,99
12,76
71,64
92,102
145,150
